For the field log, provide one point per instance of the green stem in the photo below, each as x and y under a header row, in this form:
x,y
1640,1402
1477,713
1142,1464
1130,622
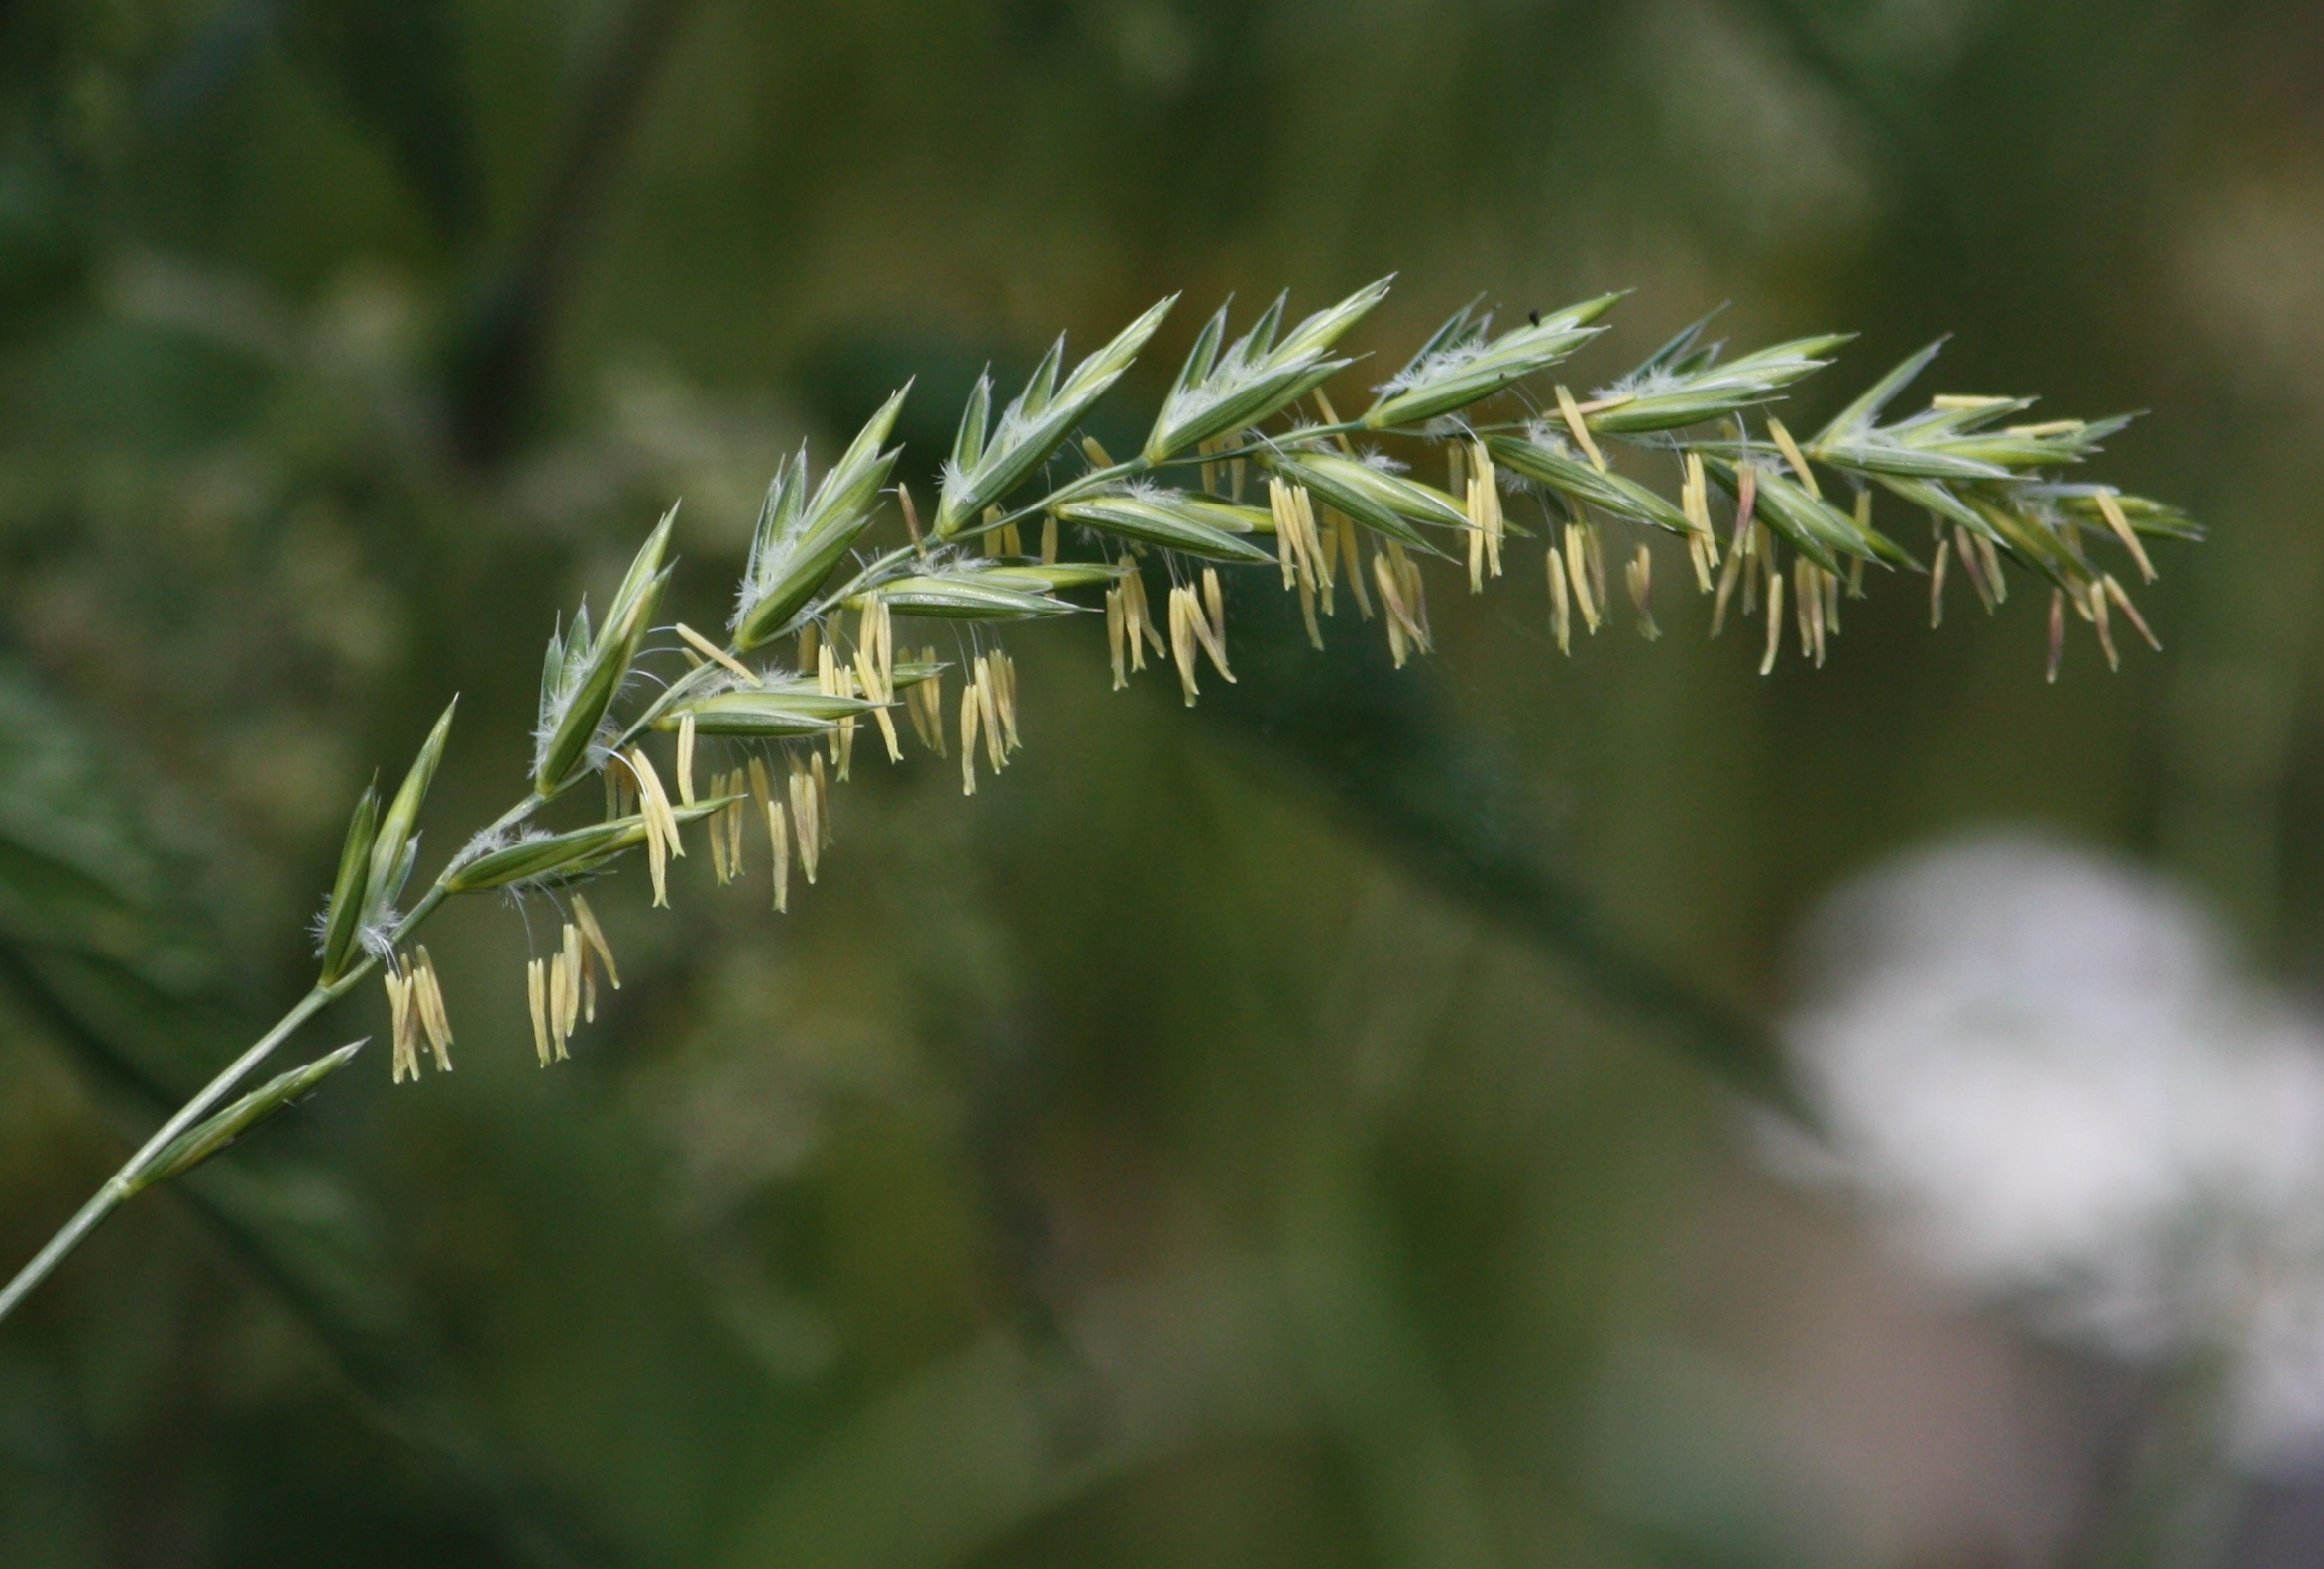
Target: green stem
x,y
122,1184
118,1188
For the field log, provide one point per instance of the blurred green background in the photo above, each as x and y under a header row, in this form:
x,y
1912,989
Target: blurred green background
x,y
1301,1130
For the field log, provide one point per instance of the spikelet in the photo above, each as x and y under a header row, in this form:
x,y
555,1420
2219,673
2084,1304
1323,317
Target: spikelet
x,y
1937,582
685,758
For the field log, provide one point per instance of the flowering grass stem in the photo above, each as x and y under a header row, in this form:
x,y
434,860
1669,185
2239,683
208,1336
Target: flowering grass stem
x,y
1993,486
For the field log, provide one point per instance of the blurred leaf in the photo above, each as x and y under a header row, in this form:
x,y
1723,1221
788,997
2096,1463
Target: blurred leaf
x,y
1387,745
987,1442
394,67
44,260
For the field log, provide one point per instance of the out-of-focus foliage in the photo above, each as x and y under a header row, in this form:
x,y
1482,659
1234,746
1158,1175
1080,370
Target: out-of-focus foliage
x,y
1250,1137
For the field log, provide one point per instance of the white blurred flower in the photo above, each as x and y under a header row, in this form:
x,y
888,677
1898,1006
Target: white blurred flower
x,y
2039,1067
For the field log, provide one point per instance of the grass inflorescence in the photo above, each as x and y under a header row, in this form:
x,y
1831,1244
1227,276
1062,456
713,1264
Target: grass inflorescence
x,y
1247,465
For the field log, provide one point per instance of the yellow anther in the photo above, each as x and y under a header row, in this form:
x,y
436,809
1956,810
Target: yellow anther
x,y
1793,456
1580,427
717,655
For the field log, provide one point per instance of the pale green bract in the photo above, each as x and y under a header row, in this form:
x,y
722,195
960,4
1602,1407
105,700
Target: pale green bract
x,y
800,539
582,674
1382,501
552,857
1542,456
1461,366
1172,520
986,469
213,1134
1257,377
968,594
1684,385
